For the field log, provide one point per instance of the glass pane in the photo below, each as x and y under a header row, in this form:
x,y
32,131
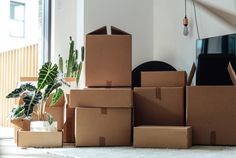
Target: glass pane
x,y
20,47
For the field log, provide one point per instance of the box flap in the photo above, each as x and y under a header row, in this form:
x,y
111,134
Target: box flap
x,y
116,31
100,31
232,73
191,74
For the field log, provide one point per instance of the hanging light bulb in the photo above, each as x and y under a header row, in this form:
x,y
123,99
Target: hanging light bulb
x,y
185,23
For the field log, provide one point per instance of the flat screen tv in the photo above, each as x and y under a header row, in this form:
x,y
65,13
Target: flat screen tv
x,y
212,58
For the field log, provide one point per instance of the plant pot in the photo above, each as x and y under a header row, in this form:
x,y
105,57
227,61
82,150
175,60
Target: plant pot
x,y
43,126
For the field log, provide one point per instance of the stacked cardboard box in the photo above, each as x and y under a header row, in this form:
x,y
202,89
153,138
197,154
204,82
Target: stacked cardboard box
x,y
211,112
103,114
159,104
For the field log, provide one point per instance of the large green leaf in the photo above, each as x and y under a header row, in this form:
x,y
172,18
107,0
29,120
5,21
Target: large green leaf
x,y
56,96
52,86
18,91
47,74
17,112
30,101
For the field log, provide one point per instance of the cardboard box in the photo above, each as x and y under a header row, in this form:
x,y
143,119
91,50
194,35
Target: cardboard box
x,y
211,112
101,97
39,139
103,126
159,106
163,79
108,59
57,111
163,137
69,126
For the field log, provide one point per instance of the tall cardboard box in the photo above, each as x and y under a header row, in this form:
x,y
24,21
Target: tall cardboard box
x,y
163,137
108,59
103,116
159,106
163,79
211,111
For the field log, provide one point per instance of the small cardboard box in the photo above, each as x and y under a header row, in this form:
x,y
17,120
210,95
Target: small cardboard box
x,y
211,112
163,137
108,58
163,79
101,97
39,139
103,126
159,106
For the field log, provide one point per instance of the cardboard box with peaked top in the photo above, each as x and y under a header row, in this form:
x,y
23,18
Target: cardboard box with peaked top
x,y
163,79
103,119
159,106
108,58
163,137
211,112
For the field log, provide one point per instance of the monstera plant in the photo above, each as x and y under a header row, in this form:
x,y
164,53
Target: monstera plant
x,y
35,97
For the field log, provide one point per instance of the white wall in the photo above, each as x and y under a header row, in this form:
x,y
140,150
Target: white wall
x,y
169,43
133,16
64,26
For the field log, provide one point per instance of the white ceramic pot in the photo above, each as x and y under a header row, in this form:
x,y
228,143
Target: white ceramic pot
x,y
43,126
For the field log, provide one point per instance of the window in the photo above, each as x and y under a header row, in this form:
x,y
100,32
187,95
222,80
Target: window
x,y
17,19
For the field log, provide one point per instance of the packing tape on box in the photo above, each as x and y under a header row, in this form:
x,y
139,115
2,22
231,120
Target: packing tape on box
x,y
158,93
104,111
213,138
102,141
108,84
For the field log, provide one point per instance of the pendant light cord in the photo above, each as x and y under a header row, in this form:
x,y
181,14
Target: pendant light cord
x,y
195,16
185,8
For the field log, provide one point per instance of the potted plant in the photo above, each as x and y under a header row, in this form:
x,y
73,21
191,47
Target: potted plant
x,y
35,98
73,68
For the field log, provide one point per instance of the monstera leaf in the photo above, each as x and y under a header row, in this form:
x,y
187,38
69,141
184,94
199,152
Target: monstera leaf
x,y
30,101
52,86
17,92
56,96
47,74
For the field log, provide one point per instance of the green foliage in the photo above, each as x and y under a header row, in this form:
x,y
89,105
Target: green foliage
x,y
32,96
61,69
56,96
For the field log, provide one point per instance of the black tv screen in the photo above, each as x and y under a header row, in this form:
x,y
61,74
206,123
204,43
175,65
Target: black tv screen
x,y
212,58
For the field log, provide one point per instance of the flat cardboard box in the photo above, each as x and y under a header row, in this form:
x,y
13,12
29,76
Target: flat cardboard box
x,y
163,78
163,137
103,126
108,59
211,111
101,97
159,106
39,139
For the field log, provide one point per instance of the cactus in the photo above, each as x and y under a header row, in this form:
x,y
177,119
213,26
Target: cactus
x,y
73,69
60,64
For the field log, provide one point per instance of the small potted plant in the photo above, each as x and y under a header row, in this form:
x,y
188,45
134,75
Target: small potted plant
x,y
35,97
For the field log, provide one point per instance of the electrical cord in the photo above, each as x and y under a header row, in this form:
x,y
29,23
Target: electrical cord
x,y
195,16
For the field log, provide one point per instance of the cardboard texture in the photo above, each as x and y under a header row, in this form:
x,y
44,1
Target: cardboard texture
x,y
159,106
103,126
69,126
211,112
163,79
114,67
163,137
101,97
39,139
